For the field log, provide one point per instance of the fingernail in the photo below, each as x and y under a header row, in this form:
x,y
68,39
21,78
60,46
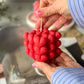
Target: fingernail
x,y
57,20
35,65
39,12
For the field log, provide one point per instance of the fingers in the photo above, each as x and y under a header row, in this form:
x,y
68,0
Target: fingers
x,y
43,3
51,1
72,64
46,11
68,17
37,26
47,69
60,23
47,22
51,20
68,61
59,61
65,57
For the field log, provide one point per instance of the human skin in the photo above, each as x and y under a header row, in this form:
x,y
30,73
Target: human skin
x,y
1,69
52,10
61,61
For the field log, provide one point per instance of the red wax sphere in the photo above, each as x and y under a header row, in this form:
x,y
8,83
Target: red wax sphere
x,y
43,50
51,32
37,57
52,46
58,51
26,43
42,46
36,39
45,35
58,43
58,35
36,49
51,38
31,53
27,51
43,41
30,46
52,55
25,35
44,58
33,32
45,30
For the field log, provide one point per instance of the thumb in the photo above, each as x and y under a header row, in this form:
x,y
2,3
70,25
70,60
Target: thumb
x,y
47,69
46,11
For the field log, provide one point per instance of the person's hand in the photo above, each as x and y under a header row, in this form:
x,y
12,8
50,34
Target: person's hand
x,y
1,68
52,10
62,61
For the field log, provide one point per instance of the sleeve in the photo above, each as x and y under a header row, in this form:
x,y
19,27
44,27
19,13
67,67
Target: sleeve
x,y
76,8
68,75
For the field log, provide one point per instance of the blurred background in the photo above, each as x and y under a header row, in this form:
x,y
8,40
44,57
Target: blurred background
x,y
17,17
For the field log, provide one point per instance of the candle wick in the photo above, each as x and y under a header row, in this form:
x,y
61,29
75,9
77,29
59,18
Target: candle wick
x,y
41,25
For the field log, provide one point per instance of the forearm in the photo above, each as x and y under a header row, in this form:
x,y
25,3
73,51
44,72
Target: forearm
x,y
68,76
76,8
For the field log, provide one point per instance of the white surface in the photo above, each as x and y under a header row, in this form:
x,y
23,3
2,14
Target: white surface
x,y
1,0
68,41
18,81
3,81
28,20
82,57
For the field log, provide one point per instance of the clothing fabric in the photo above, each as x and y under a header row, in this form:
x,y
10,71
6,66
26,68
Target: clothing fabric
x,y
68,75
76,8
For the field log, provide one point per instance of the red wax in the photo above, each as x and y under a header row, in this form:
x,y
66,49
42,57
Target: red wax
x,y
42,46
